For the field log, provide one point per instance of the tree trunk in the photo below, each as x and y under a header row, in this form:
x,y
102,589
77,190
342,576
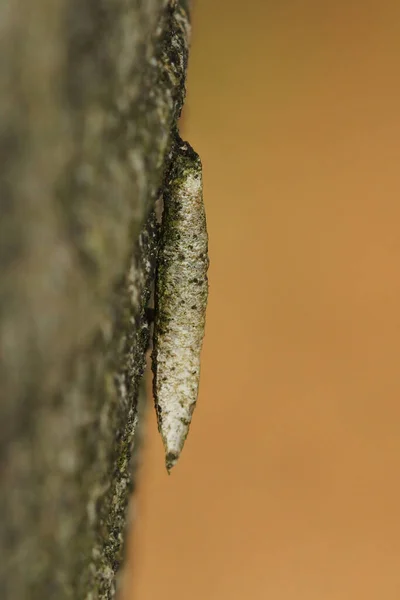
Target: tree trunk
x,y
90,91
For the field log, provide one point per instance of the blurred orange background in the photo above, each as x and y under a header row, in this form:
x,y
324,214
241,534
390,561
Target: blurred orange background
x,y
289,484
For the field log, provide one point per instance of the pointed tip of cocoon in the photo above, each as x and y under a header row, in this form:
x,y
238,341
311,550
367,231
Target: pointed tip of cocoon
x,y
171,458
174,429
174,439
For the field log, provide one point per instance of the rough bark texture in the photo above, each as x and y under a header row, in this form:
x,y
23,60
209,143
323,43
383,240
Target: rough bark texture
x,y
90,91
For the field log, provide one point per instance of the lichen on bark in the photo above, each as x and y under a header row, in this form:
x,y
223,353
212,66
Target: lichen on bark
x,y
90,92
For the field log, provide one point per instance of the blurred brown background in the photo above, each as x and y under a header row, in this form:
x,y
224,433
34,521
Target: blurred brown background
x,y
289,484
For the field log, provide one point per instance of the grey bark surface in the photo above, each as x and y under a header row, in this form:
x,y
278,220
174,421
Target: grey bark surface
x,y
90,91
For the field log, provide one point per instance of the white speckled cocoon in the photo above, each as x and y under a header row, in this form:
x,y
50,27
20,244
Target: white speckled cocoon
x,y
180,300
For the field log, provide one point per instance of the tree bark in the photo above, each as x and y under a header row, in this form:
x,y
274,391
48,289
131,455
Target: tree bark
x,y
90,91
